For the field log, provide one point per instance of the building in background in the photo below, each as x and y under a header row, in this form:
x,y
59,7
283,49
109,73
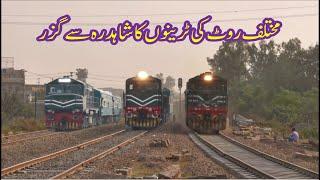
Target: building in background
x,y
12,80
31,89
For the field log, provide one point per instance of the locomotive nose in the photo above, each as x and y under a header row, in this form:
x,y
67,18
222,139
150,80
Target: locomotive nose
x,y
207,116
142,114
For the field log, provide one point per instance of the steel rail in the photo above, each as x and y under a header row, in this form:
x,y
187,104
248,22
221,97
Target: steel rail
x,y
20,134
282,162
29,163
31,138
232,167
235,160
81,165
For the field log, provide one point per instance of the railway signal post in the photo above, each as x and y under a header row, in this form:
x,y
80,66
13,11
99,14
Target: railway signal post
x,y
180,86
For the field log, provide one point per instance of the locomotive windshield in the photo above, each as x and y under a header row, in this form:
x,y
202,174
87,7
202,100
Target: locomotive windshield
x,y
64,88
213,93
143,87
208,88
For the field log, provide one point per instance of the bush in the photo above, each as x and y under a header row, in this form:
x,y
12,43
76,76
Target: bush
x,y
310,133
12,106
281,109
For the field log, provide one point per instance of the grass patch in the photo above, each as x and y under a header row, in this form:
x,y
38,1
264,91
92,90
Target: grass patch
x,y
141,169
184,164
22,125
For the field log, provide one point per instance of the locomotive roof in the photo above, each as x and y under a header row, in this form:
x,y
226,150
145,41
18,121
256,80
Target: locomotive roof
x,y
108,93
72,80
216,77
137,78
104,92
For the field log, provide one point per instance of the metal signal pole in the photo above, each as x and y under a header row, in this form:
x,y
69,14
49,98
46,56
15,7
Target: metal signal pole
x,y
35,105
35,100
180,104
180,86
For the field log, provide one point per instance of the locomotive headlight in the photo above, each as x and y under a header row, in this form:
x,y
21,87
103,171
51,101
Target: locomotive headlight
x,y
64,80
143,75
50,111
208,77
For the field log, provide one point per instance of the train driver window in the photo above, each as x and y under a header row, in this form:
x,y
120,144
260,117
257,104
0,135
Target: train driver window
x,y
131,86
52,90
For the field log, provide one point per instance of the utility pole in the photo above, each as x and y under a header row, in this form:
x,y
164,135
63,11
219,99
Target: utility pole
x,y
35,100
180,86
35,105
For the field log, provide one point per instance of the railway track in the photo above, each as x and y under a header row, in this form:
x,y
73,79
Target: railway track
x,y
86,162
63,164
13,139
43,159
248,162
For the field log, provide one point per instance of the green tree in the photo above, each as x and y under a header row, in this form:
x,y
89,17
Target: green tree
x,y
230,62
12,106
278,82
170,83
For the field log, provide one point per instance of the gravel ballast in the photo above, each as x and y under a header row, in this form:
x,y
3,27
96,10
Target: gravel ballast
x,y
24,151
54,166
144,160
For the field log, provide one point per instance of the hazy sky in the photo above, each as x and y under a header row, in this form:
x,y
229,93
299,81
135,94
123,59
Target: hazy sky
x,y
110,65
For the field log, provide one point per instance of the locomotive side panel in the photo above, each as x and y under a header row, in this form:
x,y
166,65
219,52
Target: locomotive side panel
x,y
117,108
106,107
166,103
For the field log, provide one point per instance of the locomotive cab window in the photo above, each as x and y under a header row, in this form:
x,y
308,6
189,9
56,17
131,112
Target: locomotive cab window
x,y
52,90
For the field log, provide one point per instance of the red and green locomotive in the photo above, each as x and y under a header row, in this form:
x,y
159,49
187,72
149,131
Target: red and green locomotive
x,y
206,103
147,104
73,104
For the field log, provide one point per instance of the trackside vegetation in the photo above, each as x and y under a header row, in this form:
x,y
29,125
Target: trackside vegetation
x,y
276,84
